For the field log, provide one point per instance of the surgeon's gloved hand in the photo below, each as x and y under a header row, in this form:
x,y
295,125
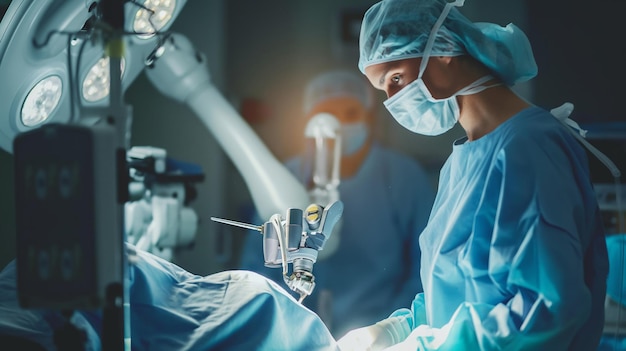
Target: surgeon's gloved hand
x,y
374,337
368,338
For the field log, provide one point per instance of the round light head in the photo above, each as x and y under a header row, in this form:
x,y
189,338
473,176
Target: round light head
x,y
97,83
41,101
153,16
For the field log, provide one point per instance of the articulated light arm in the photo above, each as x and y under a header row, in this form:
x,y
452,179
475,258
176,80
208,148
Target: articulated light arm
x,y
180,72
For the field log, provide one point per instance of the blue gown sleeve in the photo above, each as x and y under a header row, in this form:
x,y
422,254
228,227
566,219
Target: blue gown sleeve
x,y
538,240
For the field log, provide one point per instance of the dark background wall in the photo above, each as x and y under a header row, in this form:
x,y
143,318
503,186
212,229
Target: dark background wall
x,y
580,48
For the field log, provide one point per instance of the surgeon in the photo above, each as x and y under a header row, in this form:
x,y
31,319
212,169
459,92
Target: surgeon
x,y
376,264
513,255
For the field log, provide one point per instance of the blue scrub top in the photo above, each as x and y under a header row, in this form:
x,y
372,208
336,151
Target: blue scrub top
x,y
376,266
514,255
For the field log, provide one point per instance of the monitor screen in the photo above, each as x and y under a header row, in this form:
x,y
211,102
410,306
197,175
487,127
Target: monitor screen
x,y
568,39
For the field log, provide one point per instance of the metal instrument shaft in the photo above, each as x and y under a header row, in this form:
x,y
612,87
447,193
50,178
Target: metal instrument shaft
x,y
258,228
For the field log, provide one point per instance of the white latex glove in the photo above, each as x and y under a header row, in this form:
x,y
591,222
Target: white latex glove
x,y
371,338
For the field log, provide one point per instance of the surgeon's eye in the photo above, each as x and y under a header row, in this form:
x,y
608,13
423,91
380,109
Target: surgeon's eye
x,y
396,79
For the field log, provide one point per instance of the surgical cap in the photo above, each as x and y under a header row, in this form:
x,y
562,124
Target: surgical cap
x,y
334,84
399,29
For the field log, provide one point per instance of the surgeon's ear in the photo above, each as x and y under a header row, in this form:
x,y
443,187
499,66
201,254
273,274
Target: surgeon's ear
x,y
454,63
446,59
442,61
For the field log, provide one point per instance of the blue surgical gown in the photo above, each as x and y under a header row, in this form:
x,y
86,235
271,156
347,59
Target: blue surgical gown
x,y
172,309
513,255
376,266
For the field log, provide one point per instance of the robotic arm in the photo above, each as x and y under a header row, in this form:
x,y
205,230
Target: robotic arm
x,y
178,71
52,51
69,67
297,238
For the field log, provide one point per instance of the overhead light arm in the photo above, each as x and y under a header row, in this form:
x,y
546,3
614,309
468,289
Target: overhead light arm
x,y
181,73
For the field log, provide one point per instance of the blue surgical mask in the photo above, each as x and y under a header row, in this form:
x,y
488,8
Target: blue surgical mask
x,y
418,111
353,137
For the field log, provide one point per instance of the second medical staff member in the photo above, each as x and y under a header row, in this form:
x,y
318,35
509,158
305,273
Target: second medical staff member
x,y
377,262
513,256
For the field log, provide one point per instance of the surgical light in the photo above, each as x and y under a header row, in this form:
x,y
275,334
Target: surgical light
x,y
42,38
153,16
41,101
96,83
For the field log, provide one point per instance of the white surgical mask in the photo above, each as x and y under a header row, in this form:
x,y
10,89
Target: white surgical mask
x,y
353,137
416,109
